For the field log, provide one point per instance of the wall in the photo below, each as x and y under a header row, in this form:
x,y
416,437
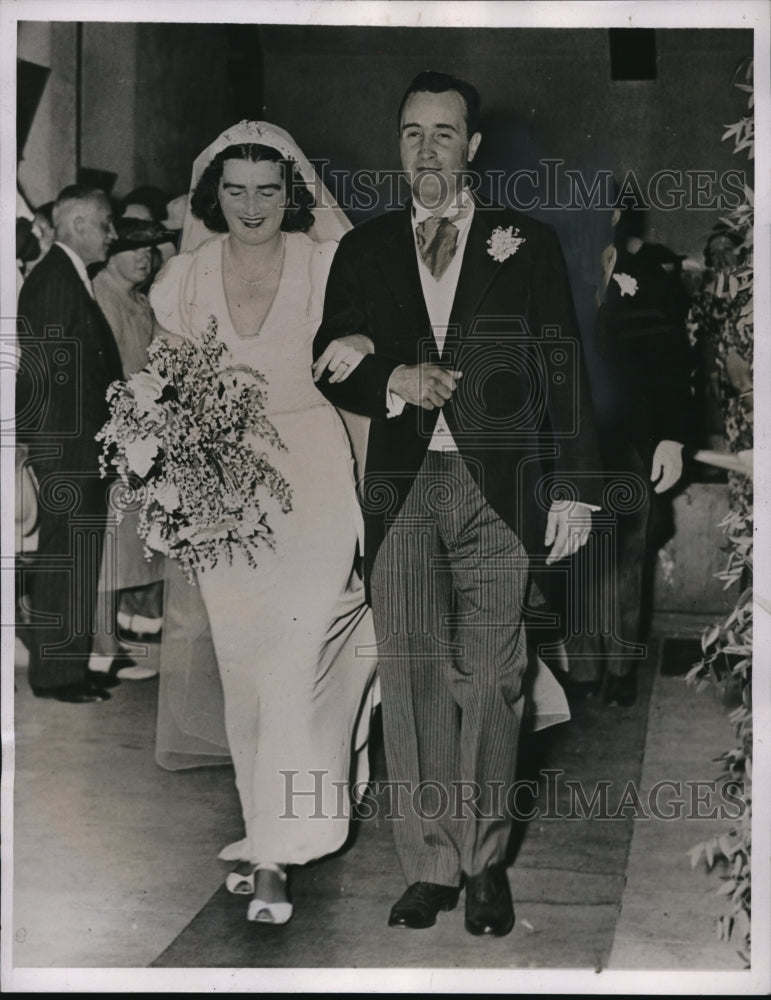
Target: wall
x,y
110,85
155,94
685,581
49,155
152,96
184,99
545,92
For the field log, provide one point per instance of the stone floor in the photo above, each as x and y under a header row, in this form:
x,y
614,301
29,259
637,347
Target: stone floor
x,y
115,869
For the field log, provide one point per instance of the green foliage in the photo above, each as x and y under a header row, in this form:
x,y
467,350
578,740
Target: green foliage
x,y
727,656
727,646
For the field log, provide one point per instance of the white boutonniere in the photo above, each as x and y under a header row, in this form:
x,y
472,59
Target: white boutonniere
x,y
504,242
626,283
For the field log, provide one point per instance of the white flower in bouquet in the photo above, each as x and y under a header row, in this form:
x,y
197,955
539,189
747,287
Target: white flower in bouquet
x,y
187,426
140,454
210,532
259,527
146,388
167,495
154,541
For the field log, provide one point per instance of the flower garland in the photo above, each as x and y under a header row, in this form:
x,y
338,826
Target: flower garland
x,y
181,435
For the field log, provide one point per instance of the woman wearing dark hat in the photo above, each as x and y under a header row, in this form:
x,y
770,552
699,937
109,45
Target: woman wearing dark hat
x,y
117,290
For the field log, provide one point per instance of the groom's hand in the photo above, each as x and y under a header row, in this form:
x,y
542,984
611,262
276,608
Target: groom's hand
x,y
425,385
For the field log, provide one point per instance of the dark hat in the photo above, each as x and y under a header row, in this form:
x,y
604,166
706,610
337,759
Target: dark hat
x,y
133,234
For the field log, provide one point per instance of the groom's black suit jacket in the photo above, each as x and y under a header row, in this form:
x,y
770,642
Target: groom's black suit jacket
x,y
521,415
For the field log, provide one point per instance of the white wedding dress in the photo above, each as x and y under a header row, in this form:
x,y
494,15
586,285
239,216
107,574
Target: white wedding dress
x,y
293,638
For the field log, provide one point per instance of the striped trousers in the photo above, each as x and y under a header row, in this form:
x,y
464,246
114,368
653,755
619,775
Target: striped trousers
x,y
448,587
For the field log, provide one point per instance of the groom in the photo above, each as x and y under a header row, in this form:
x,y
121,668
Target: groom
x,y
451,326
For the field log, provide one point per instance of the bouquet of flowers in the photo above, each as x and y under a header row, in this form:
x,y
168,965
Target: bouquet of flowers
x,y
181,435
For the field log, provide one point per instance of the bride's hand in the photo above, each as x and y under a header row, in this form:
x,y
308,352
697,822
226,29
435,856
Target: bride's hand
x,y
341,356
160,333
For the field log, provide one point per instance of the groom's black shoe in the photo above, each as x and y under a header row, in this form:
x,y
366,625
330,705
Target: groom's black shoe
x,y
420,904
489,909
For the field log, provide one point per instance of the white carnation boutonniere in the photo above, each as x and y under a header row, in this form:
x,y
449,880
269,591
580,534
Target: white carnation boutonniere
x,y
626,283
504,242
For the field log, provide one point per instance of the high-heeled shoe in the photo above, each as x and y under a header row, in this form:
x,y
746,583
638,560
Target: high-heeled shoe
x,y
241,883
140,628
262,912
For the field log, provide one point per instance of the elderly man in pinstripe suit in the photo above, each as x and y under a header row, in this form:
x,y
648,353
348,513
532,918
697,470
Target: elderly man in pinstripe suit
x,y
68,358
451,326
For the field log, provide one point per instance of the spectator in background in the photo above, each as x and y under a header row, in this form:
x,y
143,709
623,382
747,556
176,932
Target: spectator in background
x,y
34,238
146,202
139,581
27,250
642,306
68,358
173,224
43,227
149,204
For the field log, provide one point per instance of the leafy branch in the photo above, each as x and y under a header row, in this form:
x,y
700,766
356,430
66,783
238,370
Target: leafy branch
x,y
727,646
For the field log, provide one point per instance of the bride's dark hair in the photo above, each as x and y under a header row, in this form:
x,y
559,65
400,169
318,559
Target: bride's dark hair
x,y
205,203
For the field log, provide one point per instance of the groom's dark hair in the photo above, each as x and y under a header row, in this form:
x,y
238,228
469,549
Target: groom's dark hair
x,y
439,83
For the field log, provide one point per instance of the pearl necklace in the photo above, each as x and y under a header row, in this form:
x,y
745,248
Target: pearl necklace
x,y
258,281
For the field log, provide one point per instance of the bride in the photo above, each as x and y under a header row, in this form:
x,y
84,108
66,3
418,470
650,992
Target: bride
x,y
293,637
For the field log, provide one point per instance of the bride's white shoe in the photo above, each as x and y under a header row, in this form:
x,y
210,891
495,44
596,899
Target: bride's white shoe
x,y
241,883
262,912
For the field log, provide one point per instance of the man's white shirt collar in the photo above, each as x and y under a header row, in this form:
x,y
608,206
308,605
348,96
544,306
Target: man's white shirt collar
x,y
419,212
